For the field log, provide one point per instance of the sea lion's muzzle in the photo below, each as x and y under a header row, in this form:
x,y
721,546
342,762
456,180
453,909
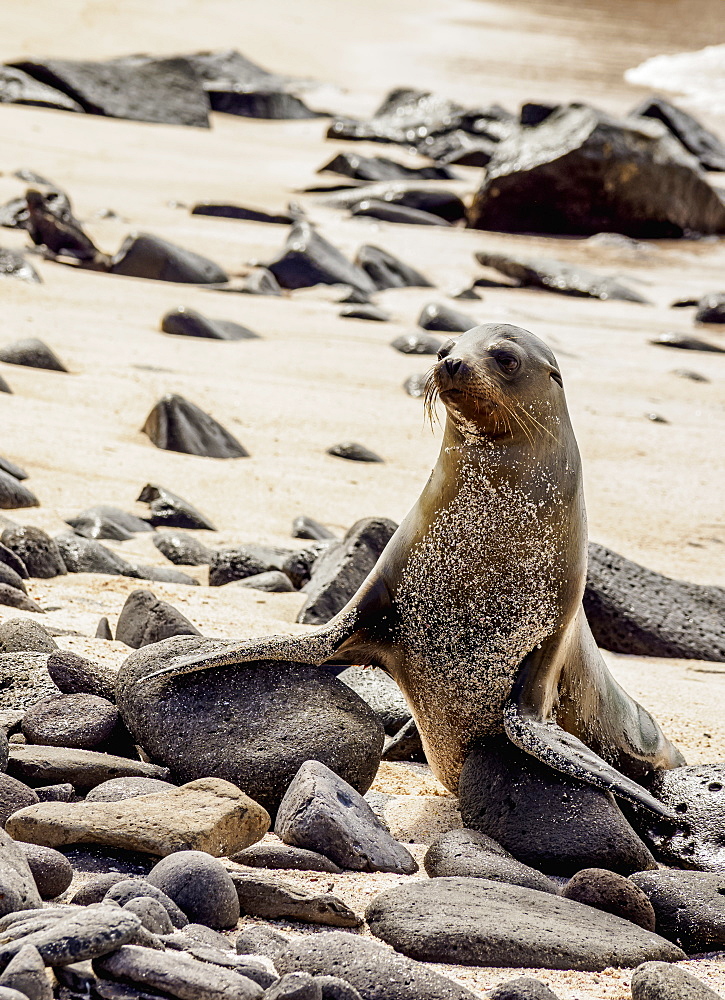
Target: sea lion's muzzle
x,y
451,373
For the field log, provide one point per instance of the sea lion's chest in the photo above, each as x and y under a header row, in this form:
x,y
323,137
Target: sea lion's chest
x,y
479,587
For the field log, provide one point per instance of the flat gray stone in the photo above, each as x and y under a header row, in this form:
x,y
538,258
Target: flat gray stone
x,y
466,921
79,721
322,812
74,674
84,769
14,795
376,972
118,789
466,853
284,856
521,988
266,896
83,934
177,974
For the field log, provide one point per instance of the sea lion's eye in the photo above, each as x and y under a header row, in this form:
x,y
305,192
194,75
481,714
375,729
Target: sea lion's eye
x,y
445,349
508,363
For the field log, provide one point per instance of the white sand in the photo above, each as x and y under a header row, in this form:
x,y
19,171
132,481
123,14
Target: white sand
x,y
654,491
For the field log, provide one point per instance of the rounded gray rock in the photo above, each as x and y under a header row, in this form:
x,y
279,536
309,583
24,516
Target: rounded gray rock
x,y
200,886
21,635
146,619
95,889
39,553
52,871
689,907
471,854
118,789
295,986
80,721
151,914
662,981
522,988
381,693
335,988
14,795
74,674
123,891
259,939
26,973
611,892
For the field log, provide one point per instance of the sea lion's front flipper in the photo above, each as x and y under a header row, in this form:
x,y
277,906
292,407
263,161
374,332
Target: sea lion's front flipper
x,y
529,723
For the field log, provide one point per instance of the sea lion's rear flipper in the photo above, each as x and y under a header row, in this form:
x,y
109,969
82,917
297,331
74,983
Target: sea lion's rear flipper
x,y
529,723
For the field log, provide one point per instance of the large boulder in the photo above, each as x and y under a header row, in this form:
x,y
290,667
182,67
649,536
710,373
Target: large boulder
x,y
253,724
635,610
472,921
581,172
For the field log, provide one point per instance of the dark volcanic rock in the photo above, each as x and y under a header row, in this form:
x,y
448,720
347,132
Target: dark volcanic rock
x,y
663,981
7,466
21,635
26,974
386,271
383,210
353,452
257,102
299,565
165,574
86,555
376,972
632,609
14,495
339,571
14,265
697,796
225,211
708,149
284,856
171,511
436,316
182,549
309,259
4,387
253,726
147,256
322,812
689,907
31,353
380,168
414,386
582,172
103,629
474,855
431,199
39,553
267,896
17,886
686,343
469,921
145,618
417,343
367,312
23,679
274,581
53,872
83,934
11,597
711,308
11,580
175,424
200,886
295,986
261,939
608,891
521,988
14,795
13,561
139,88
159,973
227,565
406,744
556,276
185,322
308,527
17,87
108,522
261,281
84,769
381,693
73,674
543,818
80,721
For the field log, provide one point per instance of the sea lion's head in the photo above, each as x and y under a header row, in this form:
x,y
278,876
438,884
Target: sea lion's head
x,y
498,381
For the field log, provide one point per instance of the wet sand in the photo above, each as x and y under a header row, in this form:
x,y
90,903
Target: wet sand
x,y
654,490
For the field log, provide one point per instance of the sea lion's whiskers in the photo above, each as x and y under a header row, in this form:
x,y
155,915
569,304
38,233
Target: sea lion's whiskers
x,y
535,422
430,399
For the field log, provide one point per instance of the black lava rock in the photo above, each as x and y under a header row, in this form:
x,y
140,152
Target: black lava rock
x,y
474,855
664,981
521,988
406,744
175,424
254,727
309,259
260,939
172,511
367,312
21,635
12,597
148,256
183,322
387,212
145,619
200,886
682,342
381,693
338,573
182,549
386,271
15,470
84,769
632,609
39,553
13,561
257,102
17,87
108,522
266,896
86,555
322,812
82,721
274,581
246,560
708,149
417,343
284,856
608,891
53,872
140,88
226,211
353,452
13,495
689,907
308,527
17,886
74,674
556,276
14,794
472,921
31,353
711,308
546,820
381,168
25,972
127,889
436,316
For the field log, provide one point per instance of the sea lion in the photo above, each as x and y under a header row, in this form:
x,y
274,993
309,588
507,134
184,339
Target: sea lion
x,y
51,224
475,605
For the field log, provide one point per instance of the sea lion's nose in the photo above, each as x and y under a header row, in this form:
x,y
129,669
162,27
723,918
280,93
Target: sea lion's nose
x,y
453,366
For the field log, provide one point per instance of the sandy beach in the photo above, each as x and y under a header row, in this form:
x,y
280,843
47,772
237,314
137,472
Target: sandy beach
x,y
654,489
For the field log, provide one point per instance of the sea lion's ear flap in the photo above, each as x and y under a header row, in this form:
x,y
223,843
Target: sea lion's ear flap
x,y
555,375
534,730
